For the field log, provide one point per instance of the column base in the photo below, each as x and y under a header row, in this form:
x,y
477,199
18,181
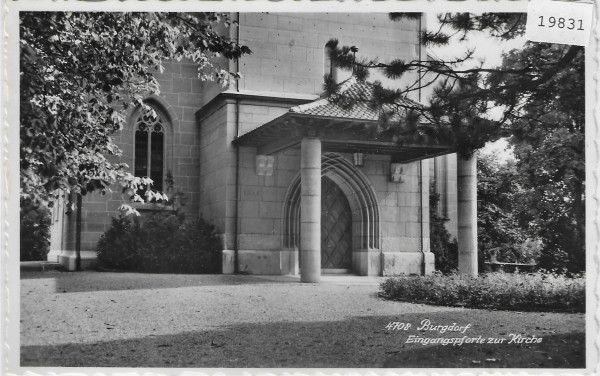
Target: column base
x,y
428,263
259,262
53,255
68,260
416,263
228,261
367,262
290,262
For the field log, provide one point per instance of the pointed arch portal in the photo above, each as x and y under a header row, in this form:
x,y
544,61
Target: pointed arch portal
x,y
361,199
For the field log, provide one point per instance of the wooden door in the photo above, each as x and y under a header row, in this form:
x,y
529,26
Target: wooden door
x,y
336,229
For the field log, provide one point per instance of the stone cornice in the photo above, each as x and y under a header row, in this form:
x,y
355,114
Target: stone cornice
x,y
253,97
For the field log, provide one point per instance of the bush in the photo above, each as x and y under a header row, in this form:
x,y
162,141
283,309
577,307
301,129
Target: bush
x,y
160,244
537,291
443,246
35,232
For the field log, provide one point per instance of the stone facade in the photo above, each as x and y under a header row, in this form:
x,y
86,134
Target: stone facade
x,y
251,200
290,48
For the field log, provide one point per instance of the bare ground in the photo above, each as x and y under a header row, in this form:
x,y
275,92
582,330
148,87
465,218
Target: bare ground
x,y
101,319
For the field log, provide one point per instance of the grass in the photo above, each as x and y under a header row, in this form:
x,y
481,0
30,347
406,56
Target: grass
x,y
520,292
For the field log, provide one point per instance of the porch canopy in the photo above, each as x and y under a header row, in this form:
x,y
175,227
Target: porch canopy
x,y
345,129
327,125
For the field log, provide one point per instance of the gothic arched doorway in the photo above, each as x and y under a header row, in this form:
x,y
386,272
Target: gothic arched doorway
x,y
364,214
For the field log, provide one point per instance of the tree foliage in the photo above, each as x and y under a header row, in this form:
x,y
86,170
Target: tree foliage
x,y
548,137
549,142
459,110
535,98
34,232
81,72
502,235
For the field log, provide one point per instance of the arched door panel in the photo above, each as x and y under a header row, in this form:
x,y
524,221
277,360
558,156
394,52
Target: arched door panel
x,y
336,228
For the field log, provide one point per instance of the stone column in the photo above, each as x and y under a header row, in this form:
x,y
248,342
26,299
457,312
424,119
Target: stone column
x,y
428,265
310,206
467,215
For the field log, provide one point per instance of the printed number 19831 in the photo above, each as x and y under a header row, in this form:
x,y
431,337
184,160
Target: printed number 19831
x,y
561,23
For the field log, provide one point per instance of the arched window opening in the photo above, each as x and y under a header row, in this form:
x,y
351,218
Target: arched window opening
x,y
150,147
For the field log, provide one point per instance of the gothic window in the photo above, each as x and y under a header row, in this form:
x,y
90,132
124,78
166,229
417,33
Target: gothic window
x,y
150,147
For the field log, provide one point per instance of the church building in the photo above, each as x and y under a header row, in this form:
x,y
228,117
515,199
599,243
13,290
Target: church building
x,y
294,183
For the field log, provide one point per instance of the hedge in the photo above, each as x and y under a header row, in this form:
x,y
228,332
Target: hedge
x,y
160,243
540,291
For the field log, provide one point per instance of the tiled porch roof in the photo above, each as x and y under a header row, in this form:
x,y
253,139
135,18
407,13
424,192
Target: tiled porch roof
x,y
344,129
361,94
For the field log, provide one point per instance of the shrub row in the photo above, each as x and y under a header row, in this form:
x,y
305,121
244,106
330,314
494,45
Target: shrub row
x,y
161,243
520,292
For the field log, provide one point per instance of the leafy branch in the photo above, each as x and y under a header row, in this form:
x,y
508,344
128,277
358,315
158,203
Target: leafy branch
x,y
469,91
81,73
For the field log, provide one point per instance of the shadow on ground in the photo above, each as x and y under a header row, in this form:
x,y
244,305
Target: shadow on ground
x,y
351,343
65,281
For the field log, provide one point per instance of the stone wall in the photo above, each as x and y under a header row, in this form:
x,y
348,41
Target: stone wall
x,y
289,48
401,203
261,212
214,166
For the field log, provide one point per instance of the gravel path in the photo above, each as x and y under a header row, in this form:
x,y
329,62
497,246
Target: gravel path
x,y
129,319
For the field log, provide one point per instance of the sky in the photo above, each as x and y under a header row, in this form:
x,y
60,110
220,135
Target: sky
x,y
489,50
486,47
500,149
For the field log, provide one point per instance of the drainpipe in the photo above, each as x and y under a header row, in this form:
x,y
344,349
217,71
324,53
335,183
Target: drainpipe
x,y
78,234
419,38
237,188
421,214
421,161
237,158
